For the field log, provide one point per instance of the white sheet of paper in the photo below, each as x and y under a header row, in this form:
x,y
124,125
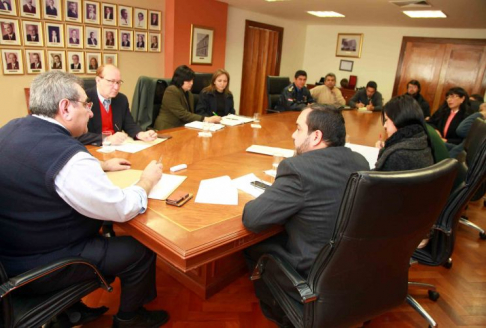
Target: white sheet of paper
x,y
233,120
370,153
199,125
265,150
132,146
217,191
244,184
166,186
272,173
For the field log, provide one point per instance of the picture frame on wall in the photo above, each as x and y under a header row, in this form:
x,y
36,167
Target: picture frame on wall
x,y
54,35
155,40
57,60
35,61
110,38
93,61
29,8
124,16
140,41
155,20
33,35
346,65
92,37
109,14
12,63
8,7
74,36
75,61
202,39
140,18
126,40
91,12
10,32
349,45
52,9
73,11
110,58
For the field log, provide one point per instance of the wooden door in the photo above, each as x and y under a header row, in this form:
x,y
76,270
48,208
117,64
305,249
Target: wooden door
x,y
262,54
440,64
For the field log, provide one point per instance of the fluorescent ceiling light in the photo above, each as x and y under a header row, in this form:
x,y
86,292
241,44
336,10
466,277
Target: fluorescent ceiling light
x,y
326,14
424,13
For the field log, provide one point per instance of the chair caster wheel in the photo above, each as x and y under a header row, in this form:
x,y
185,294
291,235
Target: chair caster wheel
x,y
448,264
433,295
482,235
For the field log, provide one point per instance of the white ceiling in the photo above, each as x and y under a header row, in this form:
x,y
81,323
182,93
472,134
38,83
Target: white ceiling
x,y
460,13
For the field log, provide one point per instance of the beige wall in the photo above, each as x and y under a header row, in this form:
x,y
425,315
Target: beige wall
x,y
292,47
380,52
132,65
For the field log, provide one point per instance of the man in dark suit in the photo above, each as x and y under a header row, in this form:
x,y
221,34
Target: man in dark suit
x,y
13,63
50,9
111,111
5,5
305,196
36,63
29,7
9,33
33,36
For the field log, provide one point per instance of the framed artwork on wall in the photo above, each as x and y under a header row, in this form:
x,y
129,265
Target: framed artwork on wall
x,y
110,38
140,18
57,60
141,41
35,61
126,40
8,7
349,45
33,33
109,14
91,12
202,45
12,63
10,32
109,58
93,61
155,20
92,37
30,8
124,16
54,35
52,9
74,36
75,62
346,65
155,40
73,11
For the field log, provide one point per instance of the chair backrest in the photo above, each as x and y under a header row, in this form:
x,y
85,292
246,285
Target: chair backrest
x,y
158,96
89,83
383,216
275,86
353,80
201,80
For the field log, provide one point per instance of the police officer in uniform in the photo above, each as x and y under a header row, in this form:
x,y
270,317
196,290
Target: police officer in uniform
x,y
295,96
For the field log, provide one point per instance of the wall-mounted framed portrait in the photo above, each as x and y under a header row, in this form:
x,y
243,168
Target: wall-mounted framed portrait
x,y
52,9
202,39
56,60
30,8
140,41
10,32
33,35
349,45
93,37
109,58
75,62
109,14
155,20
91,12
73,11
110,38
140,18
74,36
35,61
155,40
93,61
126,40
8,7
54,35
12,63
124,16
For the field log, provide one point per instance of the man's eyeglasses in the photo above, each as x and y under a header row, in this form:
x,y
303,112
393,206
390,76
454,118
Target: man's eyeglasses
x,y
87,104
111,82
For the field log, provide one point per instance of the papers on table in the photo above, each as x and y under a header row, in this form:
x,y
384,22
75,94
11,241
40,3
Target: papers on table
x,y
244,184
233,120
131,146
370,153
364,110
199,125
272,173
166,185
265,150
217,191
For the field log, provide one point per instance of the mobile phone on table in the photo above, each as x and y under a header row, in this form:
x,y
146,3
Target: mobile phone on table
x,y
259,184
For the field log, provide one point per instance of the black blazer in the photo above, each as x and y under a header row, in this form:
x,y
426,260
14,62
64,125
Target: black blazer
x,y
207,104
121,117
439,120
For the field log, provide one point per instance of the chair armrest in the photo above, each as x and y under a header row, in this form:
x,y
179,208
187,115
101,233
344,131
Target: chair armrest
x,y
300,284
269,110
39,272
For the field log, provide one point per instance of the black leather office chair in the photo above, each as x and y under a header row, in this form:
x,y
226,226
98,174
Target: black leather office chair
x,y
201,80
275,86
363,271
88,82
25,310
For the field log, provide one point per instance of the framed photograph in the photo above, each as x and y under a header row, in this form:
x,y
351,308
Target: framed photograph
x,y
52,9
33,33
12,62
34,61
202,45
29,8
74,36
8,7
140,18
126,40
73,11
10,32
109,14
124,16
75,62
349,45
91,12
54,35
110,39
93,61
57,60
155,40
155,22
346,65
92,37
140,41
110,59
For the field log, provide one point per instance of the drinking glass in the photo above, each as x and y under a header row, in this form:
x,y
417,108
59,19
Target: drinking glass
x,y
256,118
105,140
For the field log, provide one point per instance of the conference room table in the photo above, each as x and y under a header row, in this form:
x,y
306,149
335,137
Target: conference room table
x,y
200,244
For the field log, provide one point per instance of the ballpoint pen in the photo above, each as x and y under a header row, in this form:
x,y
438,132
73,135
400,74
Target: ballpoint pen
x,y
215,114
117,128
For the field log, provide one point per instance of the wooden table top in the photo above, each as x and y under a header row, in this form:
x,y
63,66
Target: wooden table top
x,y
195,234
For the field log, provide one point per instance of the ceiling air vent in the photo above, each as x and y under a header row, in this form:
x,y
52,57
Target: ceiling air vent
x,y
411,3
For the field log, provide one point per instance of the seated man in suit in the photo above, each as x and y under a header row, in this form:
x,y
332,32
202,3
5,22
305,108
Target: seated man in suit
x,y
111,111
328,94
367,98
295,96
55,173
304,198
